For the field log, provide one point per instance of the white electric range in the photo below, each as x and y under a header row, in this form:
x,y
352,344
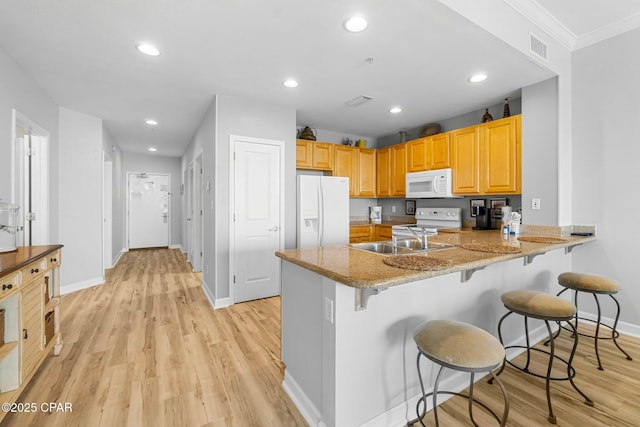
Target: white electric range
x,y
429,221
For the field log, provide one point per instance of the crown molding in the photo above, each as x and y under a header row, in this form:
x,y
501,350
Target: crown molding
x,y
538,15
611,30
541,17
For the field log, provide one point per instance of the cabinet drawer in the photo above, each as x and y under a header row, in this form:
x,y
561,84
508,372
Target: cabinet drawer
x,y
53,259
34,270
9,283
360,233
384,232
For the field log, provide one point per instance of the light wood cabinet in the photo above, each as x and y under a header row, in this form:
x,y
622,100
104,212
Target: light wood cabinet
x,y
392,169
398,170
359,165
438,151
345,163
366,172
383,176
361,233
383,232
314,155
487,158
417,155
502,156
30,283
465,144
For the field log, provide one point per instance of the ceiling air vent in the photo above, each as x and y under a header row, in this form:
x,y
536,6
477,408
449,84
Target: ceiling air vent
x,y
539,48
359,100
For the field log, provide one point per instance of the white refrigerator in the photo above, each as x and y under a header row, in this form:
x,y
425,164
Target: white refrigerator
x,y
322,211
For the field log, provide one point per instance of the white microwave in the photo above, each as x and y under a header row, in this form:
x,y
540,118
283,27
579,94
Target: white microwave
x,y
437,183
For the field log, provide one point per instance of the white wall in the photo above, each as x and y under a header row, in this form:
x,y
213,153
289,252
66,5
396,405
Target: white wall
x,y
606,99
80,198
134,162
18,91
540,152
245,117
113,153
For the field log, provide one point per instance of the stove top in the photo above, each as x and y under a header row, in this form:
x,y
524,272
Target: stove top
x,y
439,217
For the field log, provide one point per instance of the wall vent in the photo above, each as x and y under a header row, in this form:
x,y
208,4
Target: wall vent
x,y
359,100
539,48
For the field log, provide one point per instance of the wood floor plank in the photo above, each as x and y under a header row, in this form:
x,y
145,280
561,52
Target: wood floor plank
x,y
147,349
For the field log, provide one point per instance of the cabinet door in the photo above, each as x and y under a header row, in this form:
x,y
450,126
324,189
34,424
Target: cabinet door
x,y
398,170
501,156
345,163
465,144
322,155
304,154
366,172
384,232
438,152
417,155
383,170
360,233
32,329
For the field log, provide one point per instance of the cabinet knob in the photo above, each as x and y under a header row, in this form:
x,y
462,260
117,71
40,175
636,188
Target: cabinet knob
x,y
53,260
5,287
34,270
25,334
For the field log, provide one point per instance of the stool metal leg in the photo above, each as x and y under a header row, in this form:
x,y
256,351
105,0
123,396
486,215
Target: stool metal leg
x,y
435,394
471,399
597,336
424,395
505,414
614,332
571,371
551,417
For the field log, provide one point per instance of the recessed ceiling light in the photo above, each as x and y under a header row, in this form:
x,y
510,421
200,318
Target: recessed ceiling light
x,y
148,49
355,24
151,122
477,78
152,149
395,110
290,83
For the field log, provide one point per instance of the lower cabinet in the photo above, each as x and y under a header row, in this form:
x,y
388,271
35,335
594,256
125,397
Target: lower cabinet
x,y
361,233
29,302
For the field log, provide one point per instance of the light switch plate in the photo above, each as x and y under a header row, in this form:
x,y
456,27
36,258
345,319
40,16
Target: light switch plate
x,y
328,309
535,204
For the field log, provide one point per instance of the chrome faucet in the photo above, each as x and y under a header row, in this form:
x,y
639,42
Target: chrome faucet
x,y
424,233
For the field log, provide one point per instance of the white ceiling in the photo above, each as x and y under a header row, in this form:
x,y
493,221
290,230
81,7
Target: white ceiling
x,y
82,53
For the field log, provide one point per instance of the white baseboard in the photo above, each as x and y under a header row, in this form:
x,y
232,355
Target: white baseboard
x,y
307,409
115,261
177,246
623,327
222,303
73,287
215,303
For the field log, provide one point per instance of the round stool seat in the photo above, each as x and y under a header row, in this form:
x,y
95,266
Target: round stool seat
x,y
589,283
459,345
538,305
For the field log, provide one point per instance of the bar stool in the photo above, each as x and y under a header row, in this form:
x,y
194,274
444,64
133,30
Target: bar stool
x,y
461,347
595,285
548,308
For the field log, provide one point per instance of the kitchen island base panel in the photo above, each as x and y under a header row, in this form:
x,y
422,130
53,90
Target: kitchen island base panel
x,y
360,369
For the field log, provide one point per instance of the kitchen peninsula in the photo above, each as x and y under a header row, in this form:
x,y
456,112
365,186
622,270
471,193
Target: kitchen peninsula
x,y
348,318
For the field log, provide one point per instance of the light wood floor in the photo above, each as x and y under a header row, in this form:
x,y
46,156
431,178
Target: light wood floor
x,y
146,349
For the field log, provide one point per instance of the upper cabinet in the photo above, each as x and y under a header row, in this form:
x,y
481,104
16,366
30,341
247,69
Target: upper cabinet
x,y
359,165
314,155
392,168
431,152
487,158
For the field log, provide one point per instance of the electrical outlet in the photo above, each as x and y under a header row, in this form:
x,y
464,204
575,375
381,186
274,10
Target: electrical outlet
x,y
535,204
328,309
393,209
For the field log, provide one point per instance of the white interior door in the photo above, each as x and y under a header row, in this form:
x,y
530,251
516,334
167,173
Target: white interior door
x,y
148,210
188,179
258,219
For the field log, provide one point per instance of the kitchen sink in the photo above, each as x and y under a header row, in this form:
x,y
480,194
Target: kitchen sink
x,y
402,246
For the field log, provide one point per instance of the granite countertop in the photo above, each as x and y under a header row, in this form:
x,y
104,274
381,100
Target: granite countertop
x,y
385,221
366,270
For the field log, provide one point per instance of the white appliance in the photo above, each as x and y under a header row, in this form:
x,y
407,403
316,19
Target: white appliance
x,y
322,211
437,183
430,220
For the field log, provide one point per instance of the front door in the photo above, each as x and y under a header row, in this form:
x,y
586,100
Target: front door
x,y
148,210
257,226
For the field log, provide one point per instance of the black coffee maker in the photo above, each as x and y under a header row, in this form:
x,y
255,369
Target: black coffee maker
x,y
483,218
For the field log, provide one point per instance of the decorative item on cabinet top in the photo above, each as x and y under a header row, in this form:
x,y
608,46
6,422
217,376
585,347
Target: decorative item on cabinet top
x,y
506,112
307,133
430,129
486,117
347,141
403,136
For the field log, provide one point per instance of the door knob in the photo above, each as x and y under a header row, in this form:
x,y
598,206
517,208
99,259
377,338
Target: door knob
x,y
276,228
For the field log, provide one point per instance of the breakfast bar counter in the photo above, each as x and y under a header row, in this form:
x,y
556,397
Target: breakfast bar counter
x,y
348,317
